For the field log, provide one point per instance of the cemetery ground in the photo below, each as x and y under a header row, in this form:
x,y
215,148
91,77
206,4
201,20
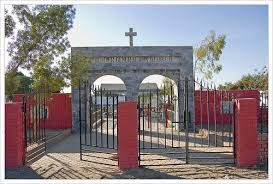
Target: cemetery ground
x,y
62,161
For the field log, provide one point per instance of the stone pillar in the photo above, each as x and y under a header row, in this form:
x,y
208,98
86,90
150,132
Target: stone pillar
x,y
127,135
181,104
76,104
14,135
132,86
246,148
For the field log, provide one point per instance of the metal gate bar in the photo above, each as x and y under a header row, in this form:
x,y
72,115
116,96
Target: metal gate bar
x,y
34,115
186,133
95,128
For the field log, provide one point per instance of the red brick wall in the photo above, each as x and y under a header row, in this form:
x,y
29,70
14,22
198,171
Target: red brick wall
x,y
60,113
237,94
14,144
246,147
127,135
262,140
18,97
59,110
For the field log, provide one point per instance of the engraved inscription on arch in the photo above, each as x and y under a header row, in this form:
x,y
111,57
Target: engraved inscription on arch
x,y
110,59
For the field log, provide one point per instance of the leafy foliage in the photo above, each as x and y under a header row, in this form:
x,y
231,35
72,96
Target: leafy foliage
x,y
47,75
44,32
39,42
167,83
257,80
207,55
16,82
9,24
73,69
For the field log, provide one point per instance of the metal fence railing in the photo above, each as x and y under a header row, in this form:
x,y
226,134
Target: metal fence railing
x,y
263,113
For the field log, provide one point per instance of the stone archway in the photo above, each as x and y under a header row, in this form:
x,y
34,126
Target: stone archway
x,y
133,64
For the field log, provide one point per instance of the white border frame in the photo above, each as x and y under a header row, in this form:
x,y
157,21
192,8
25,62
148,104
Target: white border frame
x,y
145,2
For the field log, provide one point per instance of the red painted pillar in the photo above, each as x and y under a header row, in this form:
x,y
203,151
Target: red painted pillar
x,y
166,115
127,135
246,148
14,137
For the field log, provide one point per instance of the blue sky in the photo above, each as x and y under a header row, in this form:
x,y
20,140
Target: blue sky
x,y
245,26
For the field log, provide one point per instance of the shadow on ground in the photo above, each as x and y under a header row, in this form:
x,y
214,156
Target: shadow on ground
x,y
144,173
24,172
62,161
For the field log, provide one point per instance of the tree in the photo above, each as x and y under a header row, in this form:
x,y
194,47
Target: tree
x,y
47,76
73,69
40,42
68,71
25,83
257,80
9,24
207,55
16,82
168,83
44,32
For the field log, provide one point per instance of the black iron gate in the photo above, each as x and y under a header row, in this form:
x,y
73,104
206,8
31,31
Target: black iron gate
x,y
203,137
34,115
262,125
98,124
